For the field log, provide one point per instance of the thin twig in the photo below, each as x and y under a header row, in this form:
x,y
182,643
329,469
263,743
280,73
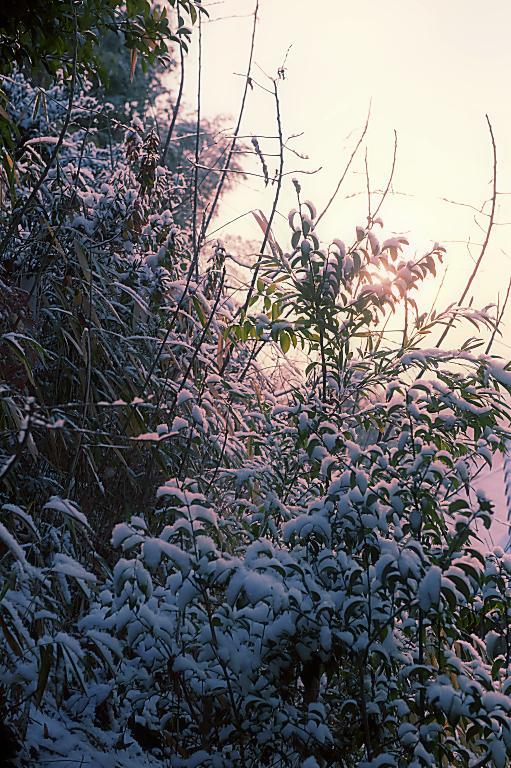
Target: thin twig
x,y
275,202
368,188
225,170
197,149
177,105
499,318
267,233
389,182
486,239
241,172
346,169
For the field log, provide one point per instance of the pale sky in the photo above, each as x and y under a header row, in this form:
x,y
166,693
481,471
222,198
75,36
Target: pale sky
x,y
431,70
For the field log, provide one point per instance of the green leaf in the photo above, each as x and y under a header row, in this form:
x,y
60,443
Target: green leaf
x,y
497,666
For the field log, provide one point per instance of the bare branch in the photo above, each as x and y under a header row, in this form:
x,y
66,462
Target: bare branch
x,y
197,150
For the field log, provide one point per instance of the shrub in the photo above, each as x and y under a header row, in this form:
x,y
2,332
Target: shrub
x,y
197,569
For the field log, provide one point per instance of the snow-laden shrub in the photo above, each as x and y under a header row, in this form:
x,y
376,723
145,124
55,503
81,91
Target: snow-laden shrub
x,y
196,570
110,350
353,620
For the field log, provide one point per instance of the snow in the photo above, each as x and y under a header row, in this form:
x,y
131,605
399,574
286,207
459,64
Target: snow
x,y
11,543
499,371
69,567
153,549
429,588
68,508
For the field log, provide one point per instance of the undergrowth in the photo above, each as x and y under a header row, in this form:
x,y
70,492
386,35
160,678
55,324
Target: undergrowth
x,y
198,569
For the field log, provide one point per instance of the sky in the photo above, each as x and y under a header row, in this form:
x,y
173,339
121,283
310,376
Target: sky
x,y
430,71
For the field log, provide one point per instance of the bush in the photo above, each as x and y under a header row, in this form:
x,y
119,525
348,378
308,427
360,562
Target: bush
x,y
196,569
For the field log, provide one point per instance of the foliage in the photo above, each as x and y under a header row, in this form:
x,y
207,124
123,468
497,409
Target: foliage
x,y
195,569
52,33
